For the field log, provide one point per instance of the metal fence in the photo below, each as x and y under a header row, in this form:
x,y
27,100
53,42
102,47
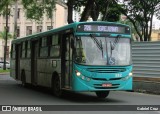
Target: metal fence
x,y
146,65
146,59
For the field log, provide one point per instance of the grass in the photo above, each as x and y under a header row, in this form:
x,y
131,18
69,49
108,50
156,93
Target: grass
x,y
4,71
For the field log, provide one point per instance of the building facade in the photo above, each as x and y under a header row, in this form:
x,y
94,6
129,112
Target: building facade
x,y
155,36
26,27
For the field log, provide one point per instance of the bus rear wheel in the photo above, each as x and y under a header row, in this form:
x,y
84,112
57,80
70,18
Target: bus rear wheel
x,y
56,86
102,94
23,78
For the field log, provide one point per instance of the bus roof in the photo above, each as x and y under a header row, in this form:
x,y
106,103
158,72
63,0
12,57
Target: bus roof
x,y
69,26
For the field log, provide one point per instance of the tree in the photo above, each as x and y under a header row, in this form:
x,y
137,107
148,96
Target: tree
x,y
4,4
140,13
15,19
93,8
35,9
134,33
3,36
109,11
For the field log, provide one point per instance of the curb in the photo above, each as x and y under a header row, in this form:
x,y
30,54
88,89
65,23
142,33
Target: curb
x,y
6,73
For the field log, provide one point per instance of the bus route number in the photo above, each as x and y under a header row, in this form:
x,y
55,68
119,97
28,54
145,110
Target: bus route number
x,y
87,28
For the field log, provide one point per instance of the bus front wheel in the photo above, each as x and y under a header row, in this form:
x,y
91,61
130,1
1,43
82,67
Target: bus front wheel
x,y
102,94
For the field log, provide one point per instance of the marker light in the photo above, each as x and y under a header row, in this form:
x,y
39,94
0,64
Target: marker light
x,y
83,77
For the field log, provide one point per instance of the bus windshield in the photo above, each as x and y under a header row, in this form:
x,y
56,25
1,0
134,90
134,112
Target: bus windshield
x,y
102,51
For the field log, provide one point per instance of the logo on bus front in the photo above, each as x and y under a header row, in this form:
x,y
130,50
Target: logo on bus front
x,y
118,75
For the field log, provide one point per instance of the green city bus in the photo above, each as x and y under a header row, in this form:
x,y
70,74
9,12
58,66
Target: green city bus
x,y
79,57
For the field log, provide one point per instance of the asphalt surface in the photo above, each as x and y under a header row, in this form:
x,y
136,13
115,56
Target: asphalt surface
x,y
12,93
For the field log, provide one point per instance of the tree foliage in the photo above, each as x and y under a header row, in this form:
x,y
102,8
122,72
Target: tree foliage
x,y
3,35
3,4
36,8
140,13
93,9
110,12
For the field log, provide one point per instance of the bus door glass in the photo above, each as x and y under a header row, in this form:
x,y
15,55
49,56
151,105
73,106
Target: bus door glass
x,y
67,64
18,54
34,56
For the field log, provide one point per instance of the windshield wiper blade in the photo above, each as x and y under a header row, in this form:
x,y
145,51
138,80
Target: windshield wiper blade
x,y
113,45
98,43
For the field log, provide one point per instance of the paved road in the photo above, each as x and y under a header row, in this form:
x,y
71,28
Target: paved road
x,y
12,93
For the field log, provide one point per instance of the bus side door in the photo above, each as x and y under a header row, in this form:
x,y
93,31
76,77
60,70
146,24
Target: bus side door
x,y
34,56
66,57
18,55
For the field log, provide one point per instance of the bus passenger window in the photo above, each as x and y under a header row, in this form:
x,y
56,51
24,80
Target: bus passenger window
x,y
28,49
44,47
55,47
23,50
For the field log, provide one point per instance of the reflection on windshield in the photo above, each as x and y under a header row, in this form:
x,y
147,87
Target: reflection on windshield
x,y
88,53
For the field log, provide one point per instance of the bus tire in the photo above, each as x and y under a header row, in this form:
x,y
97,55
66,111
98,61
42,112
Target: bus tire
x,y
56,86
23,78
102,94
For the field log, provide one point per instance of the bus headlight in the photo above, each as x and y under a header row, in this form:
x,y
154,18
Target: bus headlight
x,y
78,73
127,77
130,74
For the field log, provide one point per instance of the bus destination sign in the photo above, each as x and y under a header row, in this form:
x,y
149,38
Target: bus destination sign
x,y
103,28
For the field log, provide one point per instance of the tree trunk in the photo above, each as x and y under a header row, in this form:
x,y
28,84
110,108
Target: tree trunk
x,y
6,37
106,10
146,31
95,12
15,19
70,11
150,30
87,10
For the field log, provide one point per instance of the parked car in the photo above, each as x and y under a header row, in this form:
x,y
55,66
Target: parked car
x,y
7,64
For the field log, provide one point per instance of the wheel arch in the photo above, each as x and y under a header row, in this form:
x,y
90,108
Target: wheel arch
x,y
54,74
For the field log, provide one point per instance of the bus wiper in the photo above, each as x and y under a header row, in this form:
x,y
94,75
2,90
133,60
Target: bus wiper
x,y
98,43
113,45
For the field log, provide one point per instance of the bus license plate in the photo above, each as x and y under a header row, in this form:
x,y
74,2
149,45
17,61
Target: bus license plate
x,y
107,85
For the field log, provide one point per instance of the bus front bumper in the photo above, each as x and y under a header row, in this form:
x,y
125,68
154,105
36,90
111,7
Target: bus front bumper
x,y
80,84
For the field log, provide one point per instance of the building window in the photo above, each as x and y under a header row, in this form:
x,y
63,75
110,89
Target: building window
x,y
49,27
18,13
39,28
18,31
28,30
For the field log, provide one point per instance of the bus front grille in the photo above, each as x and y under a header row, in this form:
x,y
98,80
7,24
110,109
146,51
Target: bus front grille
x,y
104,79
106,70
